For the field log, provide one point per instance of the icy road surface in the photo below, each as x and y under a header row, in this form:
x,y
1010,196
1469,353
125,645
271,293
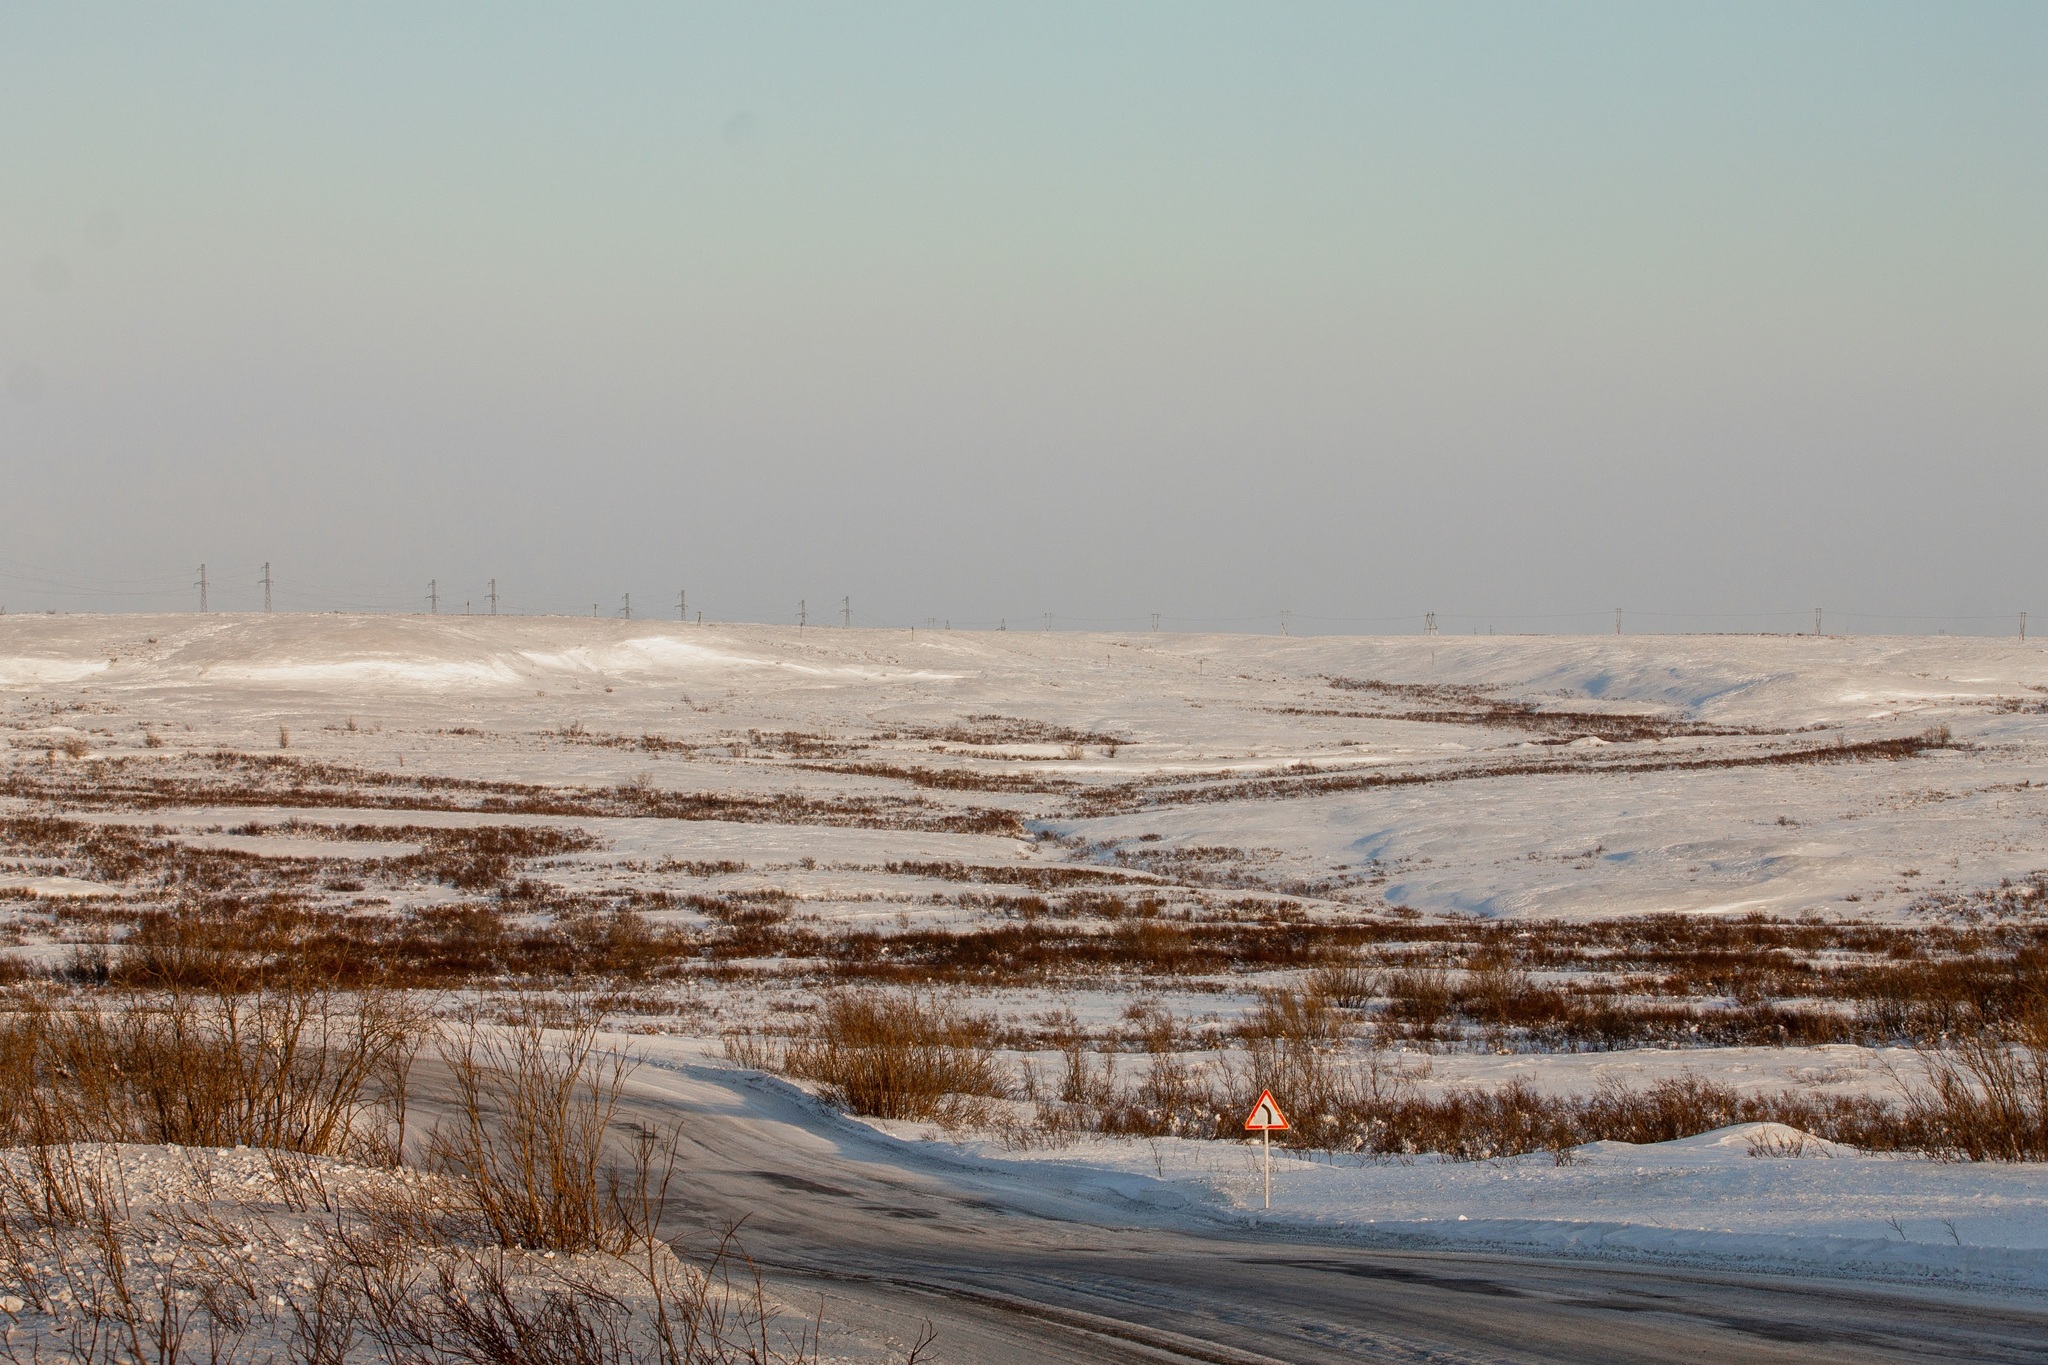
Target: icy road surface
x,y
1019,1261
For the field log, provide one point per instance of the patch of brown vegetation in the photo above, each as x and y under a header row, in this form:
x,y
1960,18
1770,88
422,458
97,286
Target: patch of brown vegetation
x,y
1307,781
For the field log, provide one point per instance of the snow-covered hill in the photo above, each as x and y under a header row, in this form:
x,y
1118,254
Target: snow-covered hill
x,y
1153,748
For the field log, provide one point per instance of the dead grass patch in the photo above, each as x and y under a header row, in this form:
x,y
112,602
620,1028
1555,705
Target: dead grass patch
x,y
894,1056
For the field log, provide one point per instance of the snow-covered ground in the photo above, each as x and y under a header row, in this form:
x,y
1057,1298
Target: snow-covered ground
x,y
1759,1197
1529,778
1752,1196
1579,827
267,1256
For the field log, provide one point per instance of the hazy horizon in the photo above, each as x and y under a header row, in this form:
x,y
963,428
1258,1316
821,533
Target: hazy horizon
x,y
1356,312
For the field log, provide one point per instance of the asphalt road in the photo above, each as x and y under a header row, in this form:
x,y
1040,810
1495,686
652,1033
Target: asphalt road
x,y
1010,1273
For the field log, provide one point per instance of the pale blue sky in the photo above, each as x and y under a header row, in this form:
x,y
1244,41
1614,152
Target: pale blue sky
x,y
1503,311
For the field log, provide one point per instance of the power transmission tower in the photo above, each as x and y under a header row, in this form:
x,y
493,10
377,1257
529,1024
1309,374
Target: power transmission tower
x,y
1429,623
682,605
201,585
434,595
1155,620
1816,620
1617,620
265,580
1048,620
1285,622
803,614
2023,627
628,608
494,597
846,612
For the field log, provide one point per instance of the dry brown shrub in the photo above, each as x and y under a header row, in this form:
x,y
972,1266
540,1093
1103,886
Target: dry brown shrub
x,y
291,1065
1349,986
1419,1001
1986,1097
534,1102
899,1056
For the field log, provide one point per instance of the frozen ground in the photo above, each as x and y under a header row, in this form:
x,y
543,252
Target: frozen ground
x,y
1220,758
253,1255
1693,1250
891,781
1748,1197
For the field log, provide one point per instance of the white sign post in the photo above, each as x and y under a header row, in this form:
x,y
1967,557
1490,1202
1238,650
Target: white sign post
x,y
1264,1118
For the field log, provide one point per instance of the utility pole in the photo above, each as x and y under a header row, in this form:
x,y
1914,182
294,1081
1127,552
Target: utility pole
x,y
1429,623
1155,620
201,585
1617,622
494,597
266,585
1048,620
682,605
2023,627
846,612
803,614
1816,620
434,595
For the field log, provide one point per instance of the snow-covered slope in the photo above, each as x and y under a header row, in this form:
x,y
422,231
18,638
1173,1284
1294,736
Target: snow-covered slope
x,y
1512,820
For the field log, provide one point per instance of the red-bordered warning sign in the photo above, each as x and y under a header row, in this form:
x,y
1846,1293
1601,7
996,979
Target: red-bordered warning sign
x,y
1265,1115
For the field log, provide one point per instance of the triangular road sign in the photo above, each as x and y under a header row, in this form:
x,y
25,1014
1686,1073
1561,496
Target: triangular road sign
x,y
1265,1114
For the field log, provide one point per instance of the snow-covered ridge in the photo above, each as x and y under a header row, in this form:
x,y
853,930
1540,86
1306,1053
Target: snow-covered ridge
x,y
1749,680
1669,827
